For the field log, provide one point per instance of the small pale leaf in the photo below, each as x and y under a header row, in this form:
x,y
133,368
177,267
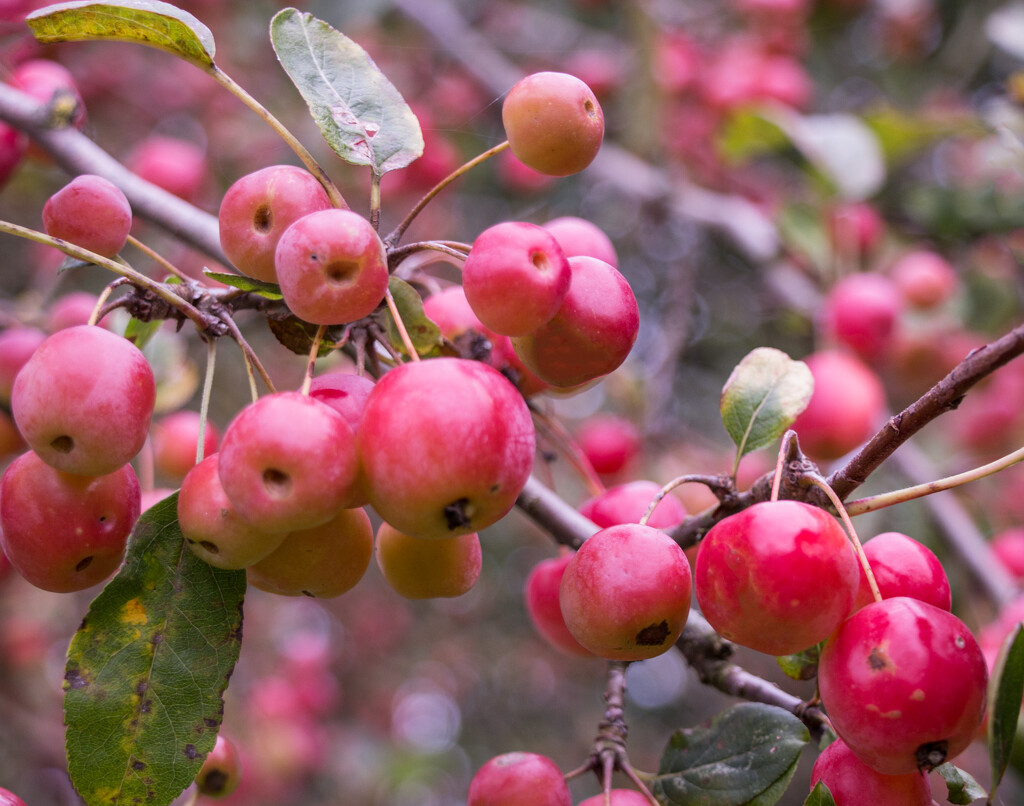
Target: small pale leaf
x,y
1005,691
424,333
963,789
360,113
802,665
139,333
820,796
145,22
747,755
147,669
268,290
763,396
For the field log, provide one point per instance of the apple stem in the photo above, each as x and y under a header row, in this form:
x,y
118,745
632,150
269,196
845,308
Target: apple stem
x,y
94,317
882,500
204,401
818,481
453,249
158,258
779,464
252,361
314,350
399,231
144,464
400,324
721,487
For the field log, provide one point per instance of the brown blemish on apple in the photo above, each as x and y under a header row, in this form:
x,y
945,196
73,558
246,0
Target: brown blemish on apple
x,y
653,634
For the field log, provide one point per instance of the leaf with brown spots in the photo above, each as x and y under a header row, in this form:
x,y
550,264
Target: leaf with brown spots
x,y
146,671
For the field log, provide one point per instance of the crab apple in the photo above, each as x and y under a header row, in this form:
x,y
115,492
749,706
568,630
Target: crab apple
x,y
211,526
64,532
627,503
288,462
578,236
1008,546
541,595
778,577
520,178
345,392
323,561
847,405
221,772
591,334
84,400
8,798
16,347
90,212
257,209
446,446
428,569
519,255
332,267
519,779
609,442
625,594
904,567
862,311
74,308
47,81
13,147
925,279
855,227
175,438
851,782
553,122
904,684
178,166
618,797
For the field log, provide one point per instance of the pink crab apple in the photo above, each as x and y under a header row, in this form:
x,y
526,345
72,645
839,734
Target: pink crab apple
x,y
211,526
288,462
627,503
553,122
13,147
519,779
16,347
332,267
323,561
84,400
925,279
609,442
446,446
64,532
847,405
903,566
851,782
178,166
904,684
46,80
90,212
8,798
855,228
175,438
778,577
519,255
618,797
257,209
541,595
1008,546
625,594
593,331
71,309
221,772
428,569
862,312
578,236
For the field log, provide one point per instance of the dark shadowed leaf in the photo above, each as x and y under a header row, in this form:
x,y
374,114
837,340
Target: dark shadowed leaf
x,y
963,789
297,335
360,113
747,755
424,333
147,669
802,665
820,796
146,22
763,396
1005,691
268,290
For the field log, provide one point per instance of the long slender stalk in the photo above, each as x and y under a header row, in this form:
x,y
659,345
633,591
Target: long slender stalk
x,y
204,403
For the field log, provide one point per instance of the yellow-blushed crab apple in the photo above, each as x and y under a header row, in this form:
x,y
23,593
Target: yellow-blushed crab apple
x,y
428,569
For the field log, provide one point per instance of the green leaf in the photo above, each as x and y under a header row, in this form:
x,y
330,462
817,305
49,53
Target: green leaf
x,y
802,665
747,755
820,796
139,333
748,134
147,669
963,789
268,290
297,335
763,396
360,113
1005,693
423,331
145,22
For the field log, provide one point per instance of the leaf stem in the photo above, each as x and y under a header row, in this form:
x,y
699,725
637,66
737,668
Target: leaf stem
x,y
300,150
399,231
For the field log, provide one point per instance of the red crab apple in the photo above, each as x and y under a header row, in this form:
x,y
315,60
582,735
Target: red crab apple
x,y
553,122
332,267
627,503
178,166
73,308
258,208
8,798
591,334
778,577
446,446
64,532
618,797
519,779
175,438
521,256
90,212
16,347
577,236
904,567
84,400
862,311
221,772
323,561
1008,546
904,685
541,594
428,569
625,594
925,279
210,525
45,80
13,147
609,442
288,462
851,782
847,405
855,228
